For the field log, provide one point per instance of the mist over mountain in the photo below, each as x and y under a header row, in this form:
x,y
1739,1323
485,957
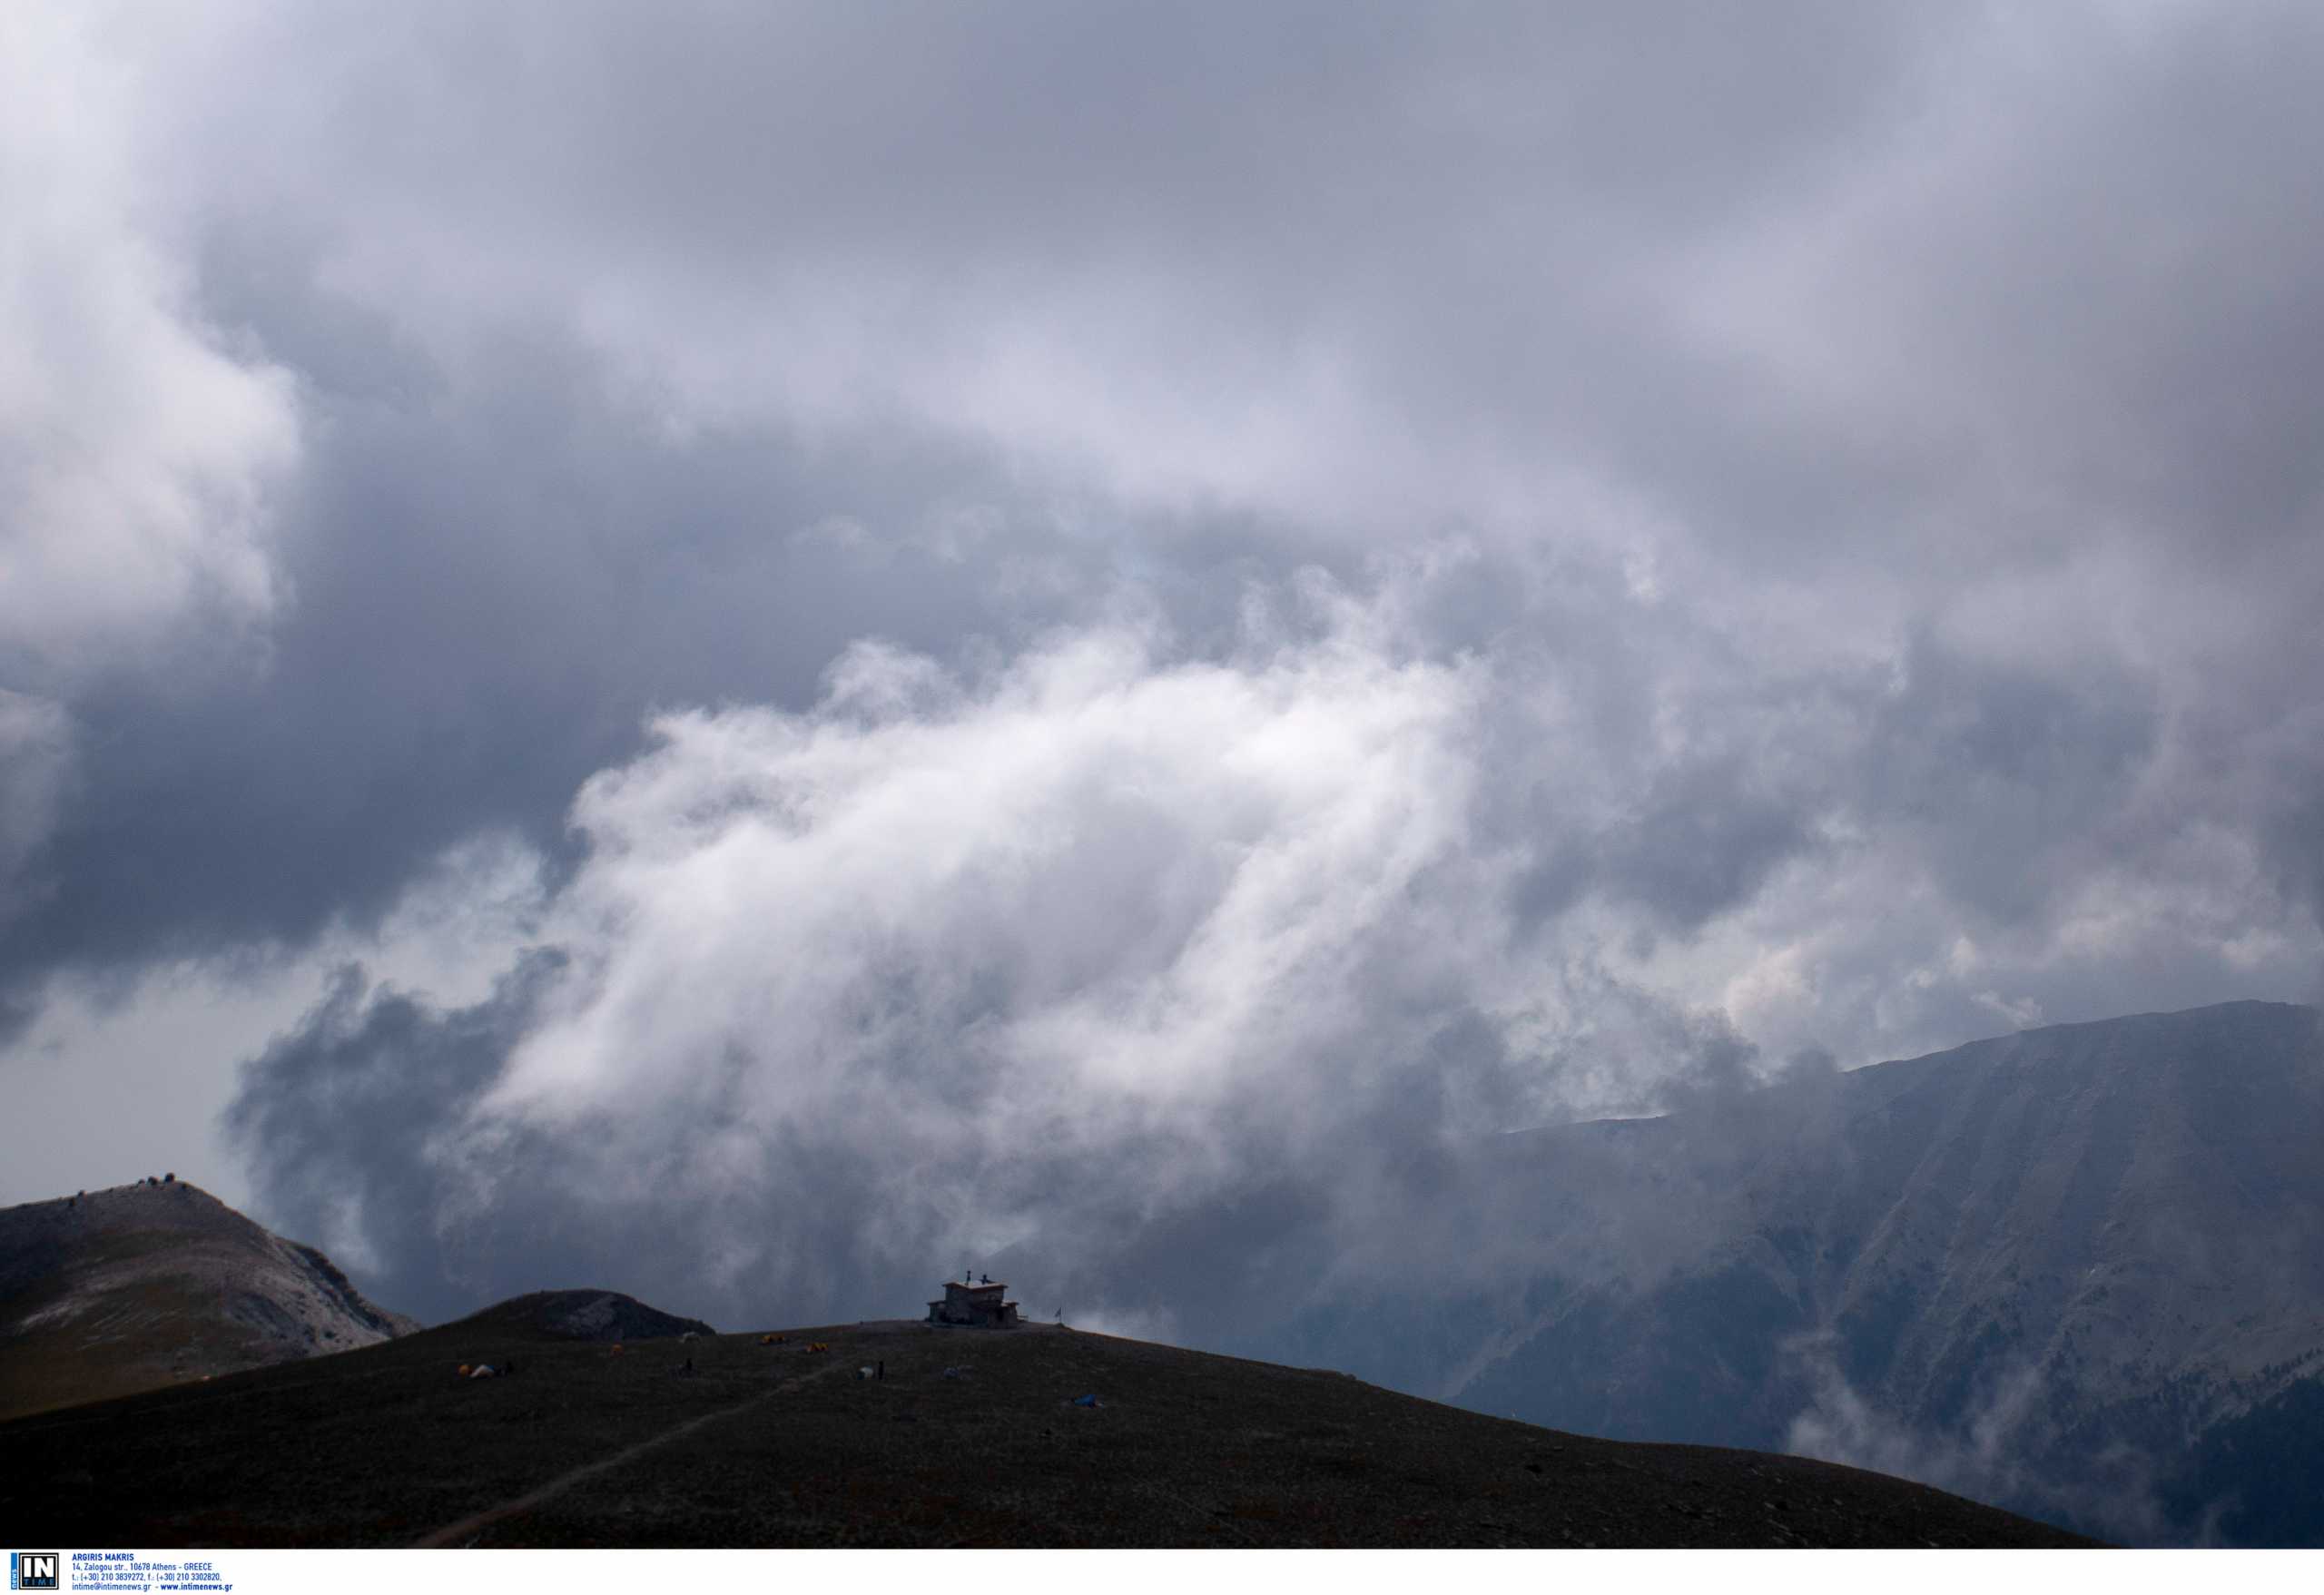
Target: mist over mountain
x,y
2078,1271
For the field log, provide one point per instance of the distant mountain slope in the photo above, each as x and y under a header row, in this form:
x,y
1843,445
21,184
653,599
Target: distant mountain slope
x,y
586,1314
125,1289
2051,1270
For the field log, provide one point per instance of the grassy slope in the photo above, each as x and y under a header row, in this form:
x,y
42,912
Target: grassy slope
x,y
381,1446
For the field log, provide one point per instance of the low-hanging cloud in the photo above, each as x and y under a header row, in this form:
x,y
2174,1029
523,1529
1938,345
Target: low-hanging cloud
x,y
2004,1449
961,956
1113,948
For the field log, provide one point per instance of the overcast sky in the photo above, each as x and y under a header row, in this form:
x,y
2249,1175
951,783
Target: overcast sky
x,y
696,645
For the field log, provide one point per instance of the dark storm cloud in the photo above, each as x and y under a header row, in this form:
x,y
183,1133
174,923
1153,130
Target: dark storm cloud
x,y
1434,570
2008,776
340,1113
1411,236
492,584
1703,843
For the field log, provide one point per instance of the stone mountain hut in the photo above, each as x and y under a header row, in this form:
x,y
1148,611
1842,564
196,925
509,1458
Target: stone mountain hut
x,y
980,1306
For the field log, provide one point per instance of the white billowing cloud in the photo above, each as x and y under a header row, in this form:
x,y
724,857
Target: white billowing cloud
x,y
1089,892
1092,936
137,451
1267,909
1068,947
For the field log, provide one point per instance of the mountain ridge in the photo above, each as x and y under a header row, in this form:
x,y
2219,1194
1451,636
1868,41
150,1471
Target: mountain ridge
x,y
2038,1268
127,1288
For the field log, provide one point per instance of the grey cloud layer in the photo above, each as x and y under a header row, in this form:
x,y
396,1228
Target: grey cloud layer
x,y
1829,492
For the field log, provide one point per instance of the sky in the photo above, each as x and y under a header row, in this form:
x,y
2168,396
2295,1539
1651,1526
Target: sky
x,y
749,651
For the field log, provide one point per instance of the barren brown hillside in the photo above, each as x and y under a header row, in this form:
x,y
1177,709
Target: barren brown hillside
x,y
113,1291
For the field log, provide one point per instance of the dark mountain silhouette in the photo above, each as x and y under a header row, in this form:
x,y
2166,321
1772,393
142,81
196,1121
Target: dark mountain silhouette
x,y
2077,1271
586,1314
119,1290
965,1437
